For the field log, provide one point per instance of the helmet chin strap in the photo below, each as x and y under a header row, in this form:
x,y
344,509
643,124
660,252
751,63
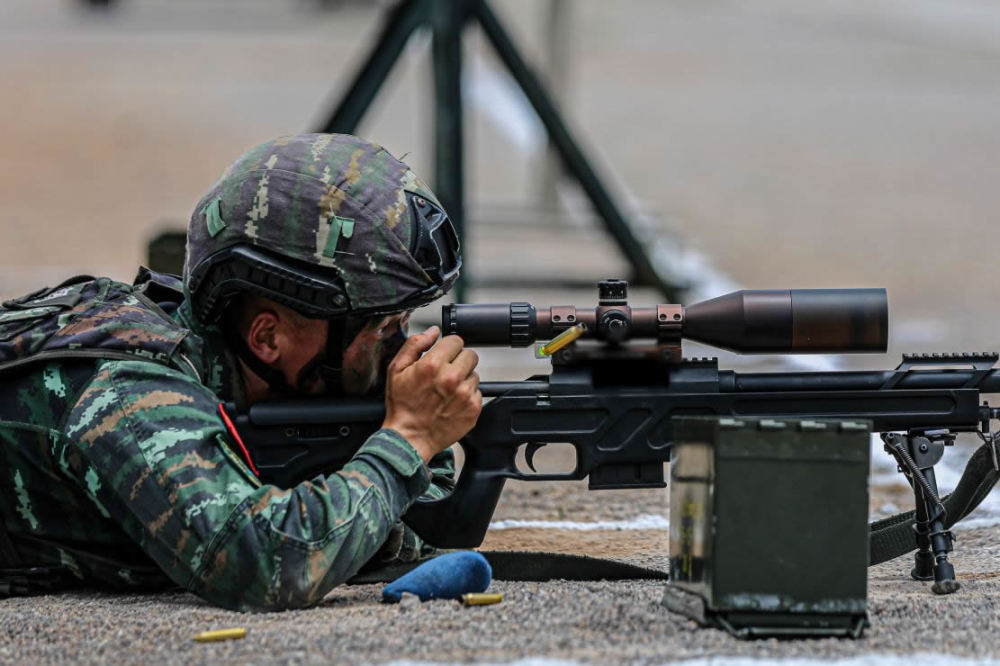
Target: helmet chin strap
x,y
390,347
339,337
274,378
330,367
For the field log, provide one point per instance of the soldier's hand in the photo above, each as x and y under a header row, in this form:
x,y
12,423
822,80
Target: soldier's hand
x,y
432,399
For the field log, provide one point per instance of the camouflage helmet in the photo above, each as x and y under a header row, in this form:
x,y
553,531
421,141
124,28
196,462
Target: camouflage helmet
x,y
327,224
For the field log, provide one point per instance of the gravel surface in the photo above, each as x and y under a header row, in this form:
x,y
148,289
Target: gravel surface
x,y
590,622
831,144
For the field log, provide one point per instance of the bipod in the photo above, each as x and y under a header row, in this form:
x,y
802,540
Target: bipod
x,y
916,453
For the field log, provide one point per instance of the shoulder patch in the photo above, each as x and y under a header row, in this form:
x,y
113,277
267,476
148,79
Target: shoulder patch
x,y
237,462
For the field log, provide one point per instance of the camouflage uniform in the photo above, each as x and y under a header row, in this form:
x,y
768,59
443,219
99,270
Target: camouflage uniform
x,y
115,463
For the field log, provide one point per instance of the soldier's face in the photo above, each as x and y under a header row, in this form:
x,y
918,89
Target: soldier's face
x,y
365,360
367,357
305,351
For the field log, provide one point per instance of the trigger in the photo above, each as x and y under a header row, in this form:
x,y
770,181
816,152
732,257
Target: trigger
x,y
529,453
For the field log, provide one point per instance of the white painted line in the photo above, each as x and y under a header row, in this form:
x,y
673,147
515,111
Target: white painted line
x,y
645,522
873,659
924,659
529,661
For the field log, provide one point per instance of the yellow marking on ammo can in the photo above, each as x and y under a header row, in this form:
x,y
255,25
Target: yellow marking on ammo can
x,y
555,344
481,598
220,635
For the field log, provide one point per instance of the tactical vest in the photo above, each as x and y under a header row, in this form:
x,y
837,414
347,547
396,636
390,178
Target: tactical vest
x,y
85,318
95,318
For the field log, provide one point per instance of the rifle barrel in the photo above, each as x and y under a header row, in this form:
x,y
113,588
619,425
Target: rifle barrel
x,y
988,382
767,382
494,389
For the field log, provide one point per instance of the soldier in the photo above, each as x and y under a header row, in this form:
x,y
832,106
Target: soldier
x,y
303,263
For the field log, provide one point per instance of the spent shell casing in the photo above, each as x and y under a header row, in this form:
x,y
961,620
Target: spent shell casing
x,y
221,635
568,336
481,598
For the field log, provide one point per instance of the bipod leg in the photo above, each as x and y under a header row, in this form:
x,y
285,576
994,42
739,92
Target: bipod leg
x,y
917,454
940,538
923,564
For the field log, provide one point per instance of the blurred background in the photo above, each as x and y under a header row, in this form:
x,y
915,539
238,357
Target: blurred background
x,y
765,144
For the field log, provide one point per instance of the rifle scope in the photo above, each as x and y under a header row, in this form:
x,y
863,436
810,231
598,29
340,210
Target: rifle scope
x,y
748,321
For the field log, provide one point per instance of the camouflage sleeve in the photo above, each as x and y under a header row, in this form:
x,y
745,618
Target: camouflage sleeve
x,y
442,468
403,544
156,458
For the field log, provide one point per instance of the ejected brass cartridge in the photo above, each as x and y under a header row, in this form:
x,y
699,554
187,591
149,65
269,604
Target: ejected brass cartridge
x,y
481,598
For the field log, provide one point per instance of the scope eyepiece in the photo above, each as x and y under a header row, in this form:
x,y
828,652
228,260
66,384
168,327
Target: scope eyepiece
x,y
490,324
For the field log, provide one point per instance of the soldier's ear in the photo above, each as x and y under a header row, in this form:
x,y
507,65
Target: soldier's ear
x,y
262,336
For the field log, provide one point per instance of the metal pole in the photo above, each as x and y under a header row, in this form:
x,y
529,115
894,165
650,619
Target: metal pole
x,y
557,33
448,20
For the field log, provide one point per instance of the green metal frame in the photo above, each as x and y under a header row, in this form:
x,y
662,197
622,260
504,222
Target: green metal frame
x,y
447,19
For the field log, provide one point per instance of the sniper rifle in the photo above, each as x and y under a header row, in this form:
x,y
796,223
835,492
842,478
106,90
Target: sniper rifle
x,y
618,378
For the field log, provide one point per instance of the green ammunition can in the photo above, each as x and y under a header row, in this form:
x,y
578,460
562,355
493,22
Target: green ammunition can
x,y
769,525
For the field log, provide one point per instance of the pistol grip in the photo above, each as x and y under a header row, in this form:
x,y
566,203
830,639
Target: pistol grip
x,y
461,519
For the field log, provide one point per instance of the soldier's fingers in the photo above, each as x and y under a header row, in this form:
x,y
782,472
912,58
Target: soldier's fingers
x,y
413,348
468,387
446,350
474,381
466,362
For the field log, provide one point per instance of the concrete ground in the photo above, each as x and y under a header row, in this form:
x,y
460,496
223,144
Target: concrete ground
x,y
832,144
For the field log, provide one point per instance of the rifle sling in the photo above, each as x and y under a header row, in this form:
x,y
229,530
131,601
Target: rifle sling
x,y
530,566
18,579
9,559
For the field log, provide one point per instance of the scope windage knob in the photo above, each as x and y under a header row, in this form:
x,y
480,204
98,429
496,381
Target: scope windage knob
x,y
614,326
612,292
521,324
